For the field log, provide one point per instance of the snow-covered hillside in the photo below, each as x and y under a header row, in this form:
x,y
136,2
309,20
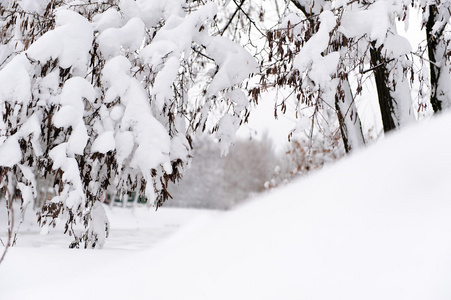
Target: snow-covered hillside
x,y
376,225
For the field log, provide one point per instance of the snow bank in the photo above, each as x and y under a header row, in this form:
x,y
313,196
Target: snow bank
x,y
374,226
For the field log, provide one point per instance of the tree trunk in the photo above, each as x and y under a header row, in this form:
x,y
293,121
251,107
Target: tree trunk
x,y
348,118
386,101
436,52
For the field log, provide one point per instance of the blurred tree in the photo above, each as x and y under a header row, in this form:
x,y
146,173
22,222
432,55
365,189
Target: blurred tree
x,y
217,182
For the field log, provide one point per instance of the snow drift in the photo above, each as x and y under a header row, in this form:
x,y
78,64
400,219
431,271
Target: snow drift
x,y
374,226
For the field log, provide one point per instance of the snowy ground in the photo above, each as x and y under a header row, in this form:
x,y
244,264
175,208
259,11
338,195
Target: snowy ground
x,y
376,225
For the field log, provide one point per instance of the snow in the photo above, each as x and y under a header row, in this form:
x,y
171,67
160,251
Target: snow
x,y
15,81
320,68
27,190
10,153
117,113
70,41
32,128
312,50
116,76
63,157
77,140
124,145
47,89
138,126
151,11
71,112
235,64
58,155
163,82
111,18
149,134
154,53
99,223
104,142
295,22
373,226
32,6
397,45
228,126
373,22
323,68
130,37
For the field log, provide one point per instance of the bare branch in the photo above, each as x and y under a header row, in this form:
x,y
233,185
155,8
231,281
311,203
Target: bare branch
x,y
10,208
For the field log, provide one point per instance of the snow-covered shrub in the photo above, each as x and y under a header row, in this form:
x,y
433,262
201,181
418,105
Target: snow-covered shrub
x,y
219,182
107,95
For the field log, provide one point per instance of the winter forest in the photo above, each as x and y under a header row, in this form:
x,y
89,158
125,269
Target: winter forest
x,y
142,126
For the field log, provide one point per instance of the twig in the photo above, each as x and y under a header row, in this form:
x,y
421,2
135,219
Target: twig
x,y
201,54
377,66
248,17
22,217
9,207
425,59
231,18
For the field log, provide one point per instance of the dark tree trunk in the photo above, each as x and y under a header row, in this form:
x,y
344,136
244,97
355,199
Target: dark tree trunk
x,y
343,128
433,44
386,101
